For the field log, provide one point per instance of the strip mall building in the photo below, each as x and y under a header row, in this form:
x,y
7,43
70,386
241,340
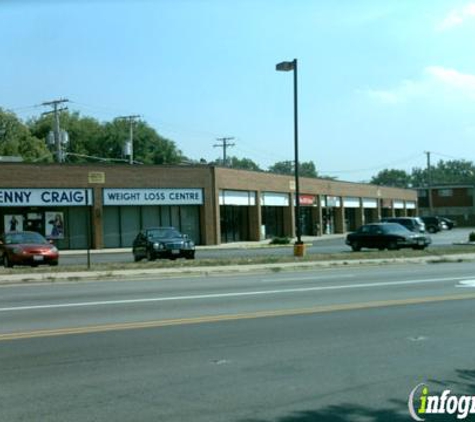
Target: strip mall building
x,y
108,204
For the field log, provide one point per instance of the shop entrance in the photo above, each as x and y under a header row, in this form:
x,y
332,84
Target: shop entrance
x,y
273,221
234,222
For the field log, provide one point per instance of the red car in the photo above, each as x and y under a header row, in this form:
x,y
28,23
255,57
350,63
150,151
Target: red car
x,y
27,248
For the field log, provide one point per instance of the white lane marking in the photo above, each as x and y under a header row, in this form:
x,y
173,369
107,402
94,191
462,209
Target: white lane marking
x,y
227,295
322,277
466,283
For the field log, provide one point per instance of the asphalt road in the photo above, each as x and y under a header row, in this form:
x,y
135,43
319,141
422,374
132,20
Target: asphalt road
x,y
345,344
319,246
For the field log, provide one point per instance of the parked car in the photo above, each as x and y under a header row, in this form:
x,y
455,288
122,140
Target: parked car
x,y
390,236
162,242
27,248
414,224
434,224
448,222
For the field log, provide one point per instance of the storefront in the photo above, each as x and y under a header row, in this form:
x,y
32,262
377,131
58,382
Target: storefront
x,y
126,211
62,215
235,209
275,208
370,210
309,219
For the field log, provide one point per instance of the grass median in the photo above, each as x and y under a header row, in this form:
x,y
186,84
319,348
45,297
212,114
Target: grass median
x,y
437,255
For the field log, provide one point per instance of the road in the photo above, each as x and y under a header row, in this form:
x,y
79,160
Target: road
x,y
343,344
320,246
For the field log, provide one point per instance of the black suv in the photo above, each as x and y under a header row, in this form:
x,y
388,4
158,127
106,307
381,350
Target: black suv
x,y
414,224
433,224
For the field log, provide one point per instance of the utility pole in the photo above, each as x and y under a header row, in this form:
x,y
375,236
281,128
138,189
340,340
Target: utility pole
x,y
429,181
131,120
224,144
57,133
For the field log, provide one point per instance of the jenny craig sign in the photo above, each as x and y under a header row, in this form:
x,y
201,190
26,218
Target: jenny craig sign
x,y
45,197
153,196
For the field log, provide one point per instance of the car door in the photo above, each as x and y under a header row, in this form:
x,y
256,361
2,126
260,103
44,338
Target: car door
x,y
364,236
378,239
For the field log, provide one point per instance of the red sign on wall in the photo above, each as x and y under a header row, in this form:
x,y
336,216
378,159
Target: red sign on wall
x,y
307,200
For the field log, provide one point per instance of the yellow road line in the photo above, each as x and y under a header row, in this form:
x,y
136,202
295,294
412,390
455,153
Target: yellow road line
x,y
231,317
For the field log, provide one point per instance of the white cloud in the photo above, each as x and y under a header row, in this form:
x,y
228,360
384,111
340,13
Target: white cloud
x,y
453,78
434,81
457,17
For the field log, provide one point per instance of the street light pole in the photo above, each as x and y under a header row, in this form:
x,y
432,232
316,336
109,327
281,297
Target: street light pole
x,y
285,67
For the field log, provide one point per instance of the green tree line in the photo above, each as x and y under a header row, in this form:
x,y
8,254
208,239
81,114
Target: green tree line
x,y
89,140
444,172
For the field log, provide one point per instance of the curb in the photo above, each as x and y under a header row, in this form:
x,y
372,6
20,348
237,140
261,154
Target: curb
x,y
11,279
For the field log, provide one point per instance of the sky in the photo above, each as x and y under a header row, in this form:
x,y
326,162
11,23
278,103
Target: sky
x,y
379,82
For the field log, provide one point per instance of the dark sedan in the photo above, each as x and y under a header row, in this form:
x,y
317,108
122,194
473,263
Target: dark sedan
x,y
390,236
162,242
27,248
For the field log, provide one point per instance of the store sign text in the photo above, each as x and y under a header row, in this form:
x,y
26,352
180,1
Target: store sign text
x,y
44,197
153,197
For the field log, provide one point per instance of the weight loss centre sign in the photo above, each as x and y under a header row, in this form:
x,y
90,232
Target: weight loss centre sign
x,y
153,196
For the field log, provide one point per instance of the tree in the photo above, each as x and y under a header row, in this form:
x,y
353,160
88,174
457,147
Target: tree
x,y
89,138
238,163
16,140
444,172
85,134
392,177
306,169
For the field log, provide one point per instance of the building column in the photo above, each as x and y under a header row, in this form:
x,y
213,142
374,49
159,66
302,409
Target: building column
x,y
95,212
340,218
255,219
360,218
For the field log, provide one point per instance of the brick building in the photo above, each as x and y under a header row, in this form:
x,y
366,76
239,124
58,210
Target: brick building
x,y
108,204
455,201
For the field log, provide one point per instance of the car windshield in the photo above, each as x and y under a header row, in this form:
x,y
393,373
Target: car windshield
x,y
163,234
23,238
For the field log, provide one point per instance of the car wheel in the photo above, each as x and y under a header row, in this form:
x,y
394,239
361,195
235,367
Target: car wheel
x,y
53,264
392,246
356,247
150,255
431,229
136,258
190,255
381,248
6,262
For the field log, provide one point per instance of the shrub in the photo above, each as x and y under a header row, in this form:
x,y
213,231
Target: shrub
x,y
280,241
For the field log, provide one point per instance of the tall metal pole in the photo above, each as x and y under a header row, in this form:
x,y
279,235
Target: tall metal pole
x,y
56,130
131,135
88,230
224,144
296,147
131,120
429,183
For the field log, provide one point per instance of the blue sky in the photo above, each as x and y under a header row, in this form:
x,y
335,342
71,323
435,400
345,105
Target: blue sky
x,y
380,82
